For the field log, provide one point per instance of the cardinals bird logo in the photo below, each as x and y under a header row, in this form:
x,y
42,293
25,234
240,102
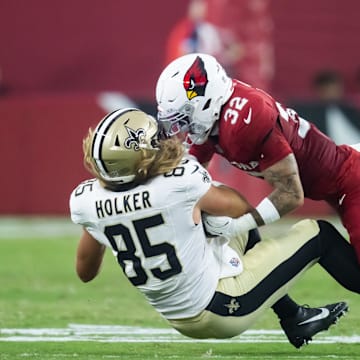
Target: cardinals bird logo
x,y
195,79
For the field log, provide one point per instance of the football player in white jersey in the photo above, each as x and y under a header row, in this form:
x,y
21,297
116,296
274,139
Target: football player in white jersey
x,y
146,204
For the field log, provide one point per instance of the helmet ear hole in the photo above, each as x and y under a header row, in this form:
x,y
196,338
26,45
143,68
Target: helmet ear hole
x,y
207,104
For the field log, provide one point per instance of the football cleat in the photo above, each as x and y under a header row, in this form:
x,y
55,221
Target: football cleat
x,y
309,321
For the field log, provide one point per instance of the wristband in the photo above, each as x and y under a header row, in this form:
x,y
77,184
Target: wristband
x,y
267,211
244,223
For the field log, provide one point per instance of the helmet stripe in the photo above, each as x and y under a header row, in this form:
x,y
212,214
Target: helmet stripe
x,y
99,136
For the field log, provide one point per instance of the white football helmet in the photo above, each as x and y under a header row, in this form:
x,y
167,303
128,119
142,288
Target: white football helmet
x,y
190,93
117,142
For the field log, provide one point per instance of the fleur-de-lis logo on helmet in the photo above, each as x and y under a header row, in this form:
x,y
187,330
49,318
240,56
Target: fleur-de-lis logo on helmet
x,y
135,138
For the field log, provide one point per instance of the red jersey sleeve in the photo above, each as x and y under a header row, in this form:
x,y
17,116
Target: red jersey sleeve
x,y
256,137
272,144
275,147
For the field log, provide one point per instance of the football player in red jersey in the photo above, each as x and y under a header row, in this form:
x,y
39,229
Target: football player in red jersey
x,y
259,135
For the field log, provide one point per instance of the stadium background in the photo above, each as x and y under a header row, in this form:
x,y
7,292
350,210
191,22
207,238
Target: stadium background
x,y
58,59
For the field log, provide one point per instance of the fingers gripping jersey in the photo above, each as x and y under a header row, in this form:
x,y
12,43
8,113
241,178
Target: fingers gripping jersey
x,y
151,231
255,132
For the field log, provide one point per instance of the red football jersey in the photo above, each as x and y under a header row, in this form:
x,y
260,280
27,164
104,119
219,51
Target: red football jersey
x,y
255,132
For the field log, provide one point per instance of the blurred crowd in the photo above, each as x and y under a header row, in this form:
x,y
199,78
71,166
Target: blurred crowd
x,y
246,52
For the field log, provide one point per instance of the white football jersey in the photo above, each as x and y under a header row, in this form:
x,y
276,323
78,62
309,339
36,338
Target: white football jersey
x,y
150,230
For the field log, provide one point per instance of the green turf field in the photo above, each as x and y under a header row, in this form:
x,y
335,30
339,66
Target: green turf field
x,y
47,313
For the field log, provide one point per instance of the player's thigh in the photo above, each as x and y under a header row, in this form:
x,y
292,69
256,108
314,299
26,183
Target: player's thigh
x,y
208,325
238,242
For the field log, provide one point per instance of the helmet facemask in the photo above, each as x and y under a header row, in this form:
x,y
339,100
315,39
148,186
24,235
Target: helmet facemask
x,y
173,122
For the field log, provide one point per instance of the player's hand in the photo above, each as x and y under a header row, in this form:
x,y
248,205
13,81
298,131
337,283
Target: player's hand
x,y
216,225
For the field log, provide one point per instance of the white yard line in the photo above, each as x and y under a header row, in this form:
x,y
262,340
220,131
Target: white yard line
x,y
101,333
37,227
52,226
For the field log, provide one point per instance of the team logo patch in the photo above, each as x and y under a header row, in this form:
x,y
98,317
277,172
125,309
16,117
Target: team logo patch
x,y
235,262
205,176
195,79
233,306
135,138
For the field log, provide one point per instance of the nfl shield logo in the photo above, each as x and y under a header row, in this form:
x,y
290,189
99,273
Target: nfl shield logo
x,y
235,262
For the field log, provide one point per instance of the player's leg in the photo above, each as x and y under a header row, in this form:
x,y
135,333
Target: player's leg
x,y
240,300
286,306
347,202
349,211
270,268
339,257
287,310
